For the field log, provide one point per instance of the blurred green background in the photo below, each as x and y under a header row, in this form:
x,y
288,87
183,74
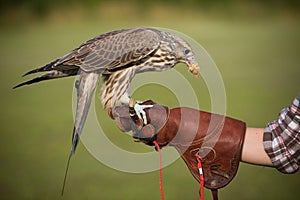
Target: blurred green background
x,y
255,45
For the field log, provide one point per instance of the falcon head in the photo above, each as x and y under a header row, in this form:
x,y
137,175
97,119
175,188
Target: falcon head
x,y
185,54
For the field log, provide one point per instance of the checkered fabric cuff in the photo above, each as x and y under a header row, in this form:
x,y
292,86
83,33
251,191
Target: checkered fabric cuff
x,y
282,139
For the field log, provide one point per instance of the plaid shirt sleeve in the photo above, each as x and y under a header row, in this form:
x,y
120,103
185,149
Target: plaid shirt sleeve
x,y
282,139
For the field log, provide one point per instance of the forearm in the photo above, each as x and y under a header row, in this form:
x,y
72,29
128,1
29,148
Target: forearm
x,y
253,150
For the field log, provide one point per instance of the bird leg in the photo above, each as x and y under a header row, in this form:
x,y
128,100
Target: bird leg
x,y
136,108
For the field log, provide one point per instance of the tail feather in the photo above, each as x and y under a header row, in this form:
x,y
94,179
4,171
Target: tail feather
x,y
50,75
86,87
56,69
48,67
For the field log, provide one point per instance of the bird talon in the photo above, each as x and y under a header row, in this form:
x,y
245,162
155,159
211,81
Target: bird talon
x,y
139,110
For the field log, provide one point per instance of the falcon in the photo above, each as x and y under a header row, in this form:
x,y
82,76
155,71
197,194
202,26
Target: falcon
x,y
117,56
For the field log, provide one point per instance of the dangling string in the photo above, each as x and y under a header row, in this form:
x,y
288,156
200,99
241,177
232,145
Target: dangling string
x,y
66,174
160,170
201,176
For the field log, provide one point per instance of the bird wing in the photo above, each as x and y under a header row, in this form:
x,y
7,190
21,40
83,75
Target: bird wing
x,y
133,47
111,51
105,53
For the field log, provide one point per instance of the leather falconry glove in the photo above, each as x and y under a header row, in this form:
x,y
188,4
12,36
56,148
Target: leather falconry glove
x,y
216,139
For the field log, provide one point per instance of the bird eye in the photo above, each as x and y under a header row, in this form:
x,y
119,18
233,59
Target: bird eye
x,y
186,51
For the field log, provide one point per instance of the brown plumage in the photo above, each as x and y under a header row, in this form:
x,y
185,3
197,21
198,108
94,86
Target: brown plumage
x,y
118,56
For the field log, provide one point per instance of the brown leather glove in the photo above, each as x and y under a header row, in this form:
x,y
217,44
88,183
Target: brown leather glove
x,y
215,138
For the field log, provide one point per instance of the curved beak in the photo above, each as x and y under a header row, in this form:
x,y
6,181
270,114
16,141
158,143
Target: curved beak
x,y
194,69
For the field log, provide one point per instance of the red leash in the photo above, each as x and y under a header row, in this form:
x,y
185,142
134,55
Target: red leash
x,y
201,176
160,170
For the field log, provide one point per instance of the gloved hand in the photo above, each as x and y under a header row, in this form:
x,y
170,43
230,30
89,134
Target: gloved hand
x,y
216,139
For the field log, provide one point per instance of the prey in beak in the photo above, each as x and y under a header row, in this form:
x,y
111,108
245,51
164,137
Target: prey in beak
x,y
194,69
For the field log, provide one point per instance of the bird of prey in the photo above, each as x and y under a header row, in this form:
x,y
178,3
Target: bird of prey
x,y
118,56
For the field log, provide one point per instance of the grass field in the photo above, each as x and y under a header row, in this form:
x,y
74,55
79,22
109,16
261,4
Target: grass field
x,y
257,58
